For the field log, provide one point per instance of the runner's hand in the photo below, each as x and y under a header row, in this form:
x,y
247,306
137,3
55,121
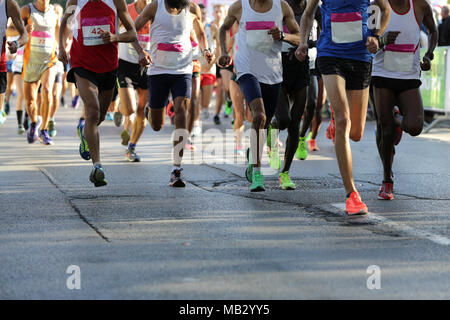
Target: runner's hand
x,y
390,37
145,59
302,51
12,47
372,44
425,65
276,33
224,61
62,56
108,37
208,55
30,28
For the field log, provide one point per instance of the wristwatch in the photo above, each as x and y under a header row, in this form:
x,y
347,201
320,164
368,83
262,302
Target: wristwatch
x,y
282,36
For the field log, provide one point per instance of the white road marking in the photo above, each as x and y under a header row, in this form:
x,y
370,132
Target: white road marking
x,y
402,228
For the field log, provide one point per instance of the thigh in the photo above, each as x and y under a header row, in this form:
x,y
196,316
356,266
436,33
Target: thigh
x,y
48,79
31,90
411,107
358,101
270,94
237,98
89,94
142,98
335,86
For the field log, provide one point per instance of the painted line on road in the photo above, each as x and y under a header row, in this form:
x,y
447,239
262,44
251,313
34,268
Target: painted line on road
x,y
401,228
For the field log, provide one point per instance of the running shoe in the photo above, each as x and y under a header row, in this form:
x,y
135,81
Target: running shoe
x,y
176,180
2,117
354,205
216,119
302,151
32,134
84,148
7,108
118,119
189,146
125,137
170,110
51,128
249,169
228,108
196,131
312,146
97,176
62,102
285,181
26,121
386,191
239,151
76,102
132,155
45,138
205,114
110,116
257,182
398,128
21,129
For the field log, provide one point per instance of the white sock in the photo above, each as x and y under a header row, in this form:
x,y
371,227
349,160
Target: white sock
x,y
98,164
176,168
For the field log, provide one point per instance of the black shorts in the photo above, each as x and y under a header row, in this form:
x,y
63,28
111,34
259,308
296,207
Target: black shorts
x,y
160,86
132,75
103,81
295,72
252,89
2,82
396,85
356,73
229,68
59,78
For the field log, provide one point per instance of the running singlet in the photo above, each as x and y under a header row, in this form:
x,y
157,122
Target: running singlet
x,y
4,22
171,48
400,60
40,51
88,50
344,30
258,53
126,50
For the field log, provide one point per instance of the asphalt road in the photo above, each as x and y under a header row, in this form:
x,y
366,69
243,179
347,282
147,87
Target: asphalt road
x,y
137,238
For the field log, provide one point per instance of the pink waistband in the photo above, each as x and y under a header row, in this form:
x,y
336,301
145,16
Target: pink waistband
x,y
400,48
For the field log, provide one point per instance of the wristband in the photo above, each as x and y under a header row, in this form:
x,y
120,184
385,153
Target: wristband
x,y
282,36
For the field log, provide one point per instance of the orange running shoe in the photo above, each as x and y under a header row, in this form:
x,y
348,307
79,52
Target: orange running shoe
x,y
386,191
312,145
354,205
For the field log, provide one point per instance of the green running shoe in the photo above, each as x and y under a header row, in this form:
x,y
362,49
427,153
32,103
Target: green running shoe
x,y
84,148
125,137
257,182
309,136
51,128
285,181
302,151
228,108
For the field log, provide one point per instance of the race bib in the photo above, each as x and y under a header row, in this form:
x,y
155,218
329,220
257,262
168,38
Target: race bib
x,y
169,55
144,41
399,57
42,41
258,38
346,27
92,29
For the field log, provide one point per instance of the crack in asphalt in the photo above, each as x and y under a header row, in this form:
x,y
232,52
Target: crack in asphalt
x,y
69,201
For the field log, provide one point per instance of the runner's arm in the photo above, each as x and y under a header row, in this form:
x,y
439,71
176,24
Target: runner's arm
x,y
59,12
215,32
64,31
234,12
148,14
429,23
127,22
15,15
293,37
385,16
305,29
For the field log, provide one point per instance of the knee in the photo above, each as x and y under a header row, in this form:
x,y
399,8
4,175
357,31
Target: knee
x,y
47,91
413,130
342,123
259,118
157,126
356,135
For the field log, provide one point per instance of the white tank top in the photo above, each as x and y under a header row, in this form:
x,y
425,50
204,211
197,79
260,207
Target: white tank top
x,y
258,53
42,42
212,46
3,25
400,60
171,48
